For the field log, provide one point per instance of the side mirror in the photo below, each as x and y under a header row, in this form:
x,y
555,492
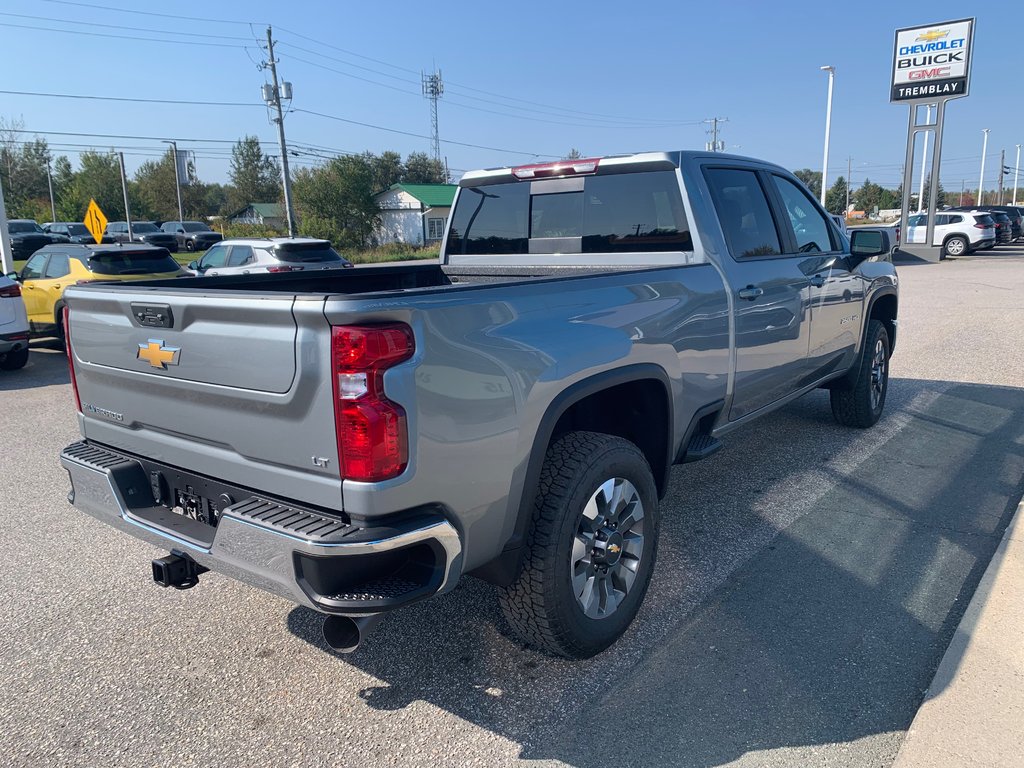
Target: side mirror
x,y
865,243
14,276
194,266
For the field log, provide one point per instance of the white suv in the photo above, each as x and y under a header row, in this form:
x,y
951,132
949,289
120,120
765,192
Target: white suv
x,y
267,254
13,326
958,232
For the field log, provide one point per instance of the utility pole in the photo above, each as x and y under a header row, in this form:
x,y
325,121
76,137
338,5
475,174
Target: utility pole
x,y
1002,172
715,145
1016,173
961,193
433,89
924,162
984,149
49,183
177,180
124,191
275,102
849,182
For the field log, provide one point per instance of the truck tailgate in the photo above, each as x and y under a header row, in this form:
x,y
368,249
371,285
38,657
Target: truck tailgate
x,y
211,383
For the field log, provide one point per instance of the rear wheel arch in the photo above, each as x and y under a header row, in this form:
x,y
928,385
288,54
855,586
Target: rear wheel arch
x,y
884,306
584,406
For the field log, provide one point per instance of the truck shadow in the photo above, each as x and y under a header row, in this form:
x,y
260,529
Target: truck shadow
x,y
808,583
47,366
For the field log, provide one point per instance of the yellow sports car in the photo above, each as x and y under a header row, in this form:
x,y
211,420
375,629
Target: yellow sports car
x,y
53,268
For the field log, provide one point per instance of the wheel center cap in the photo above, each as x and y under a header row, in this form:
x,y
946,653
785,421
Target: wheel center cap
x,y
608,547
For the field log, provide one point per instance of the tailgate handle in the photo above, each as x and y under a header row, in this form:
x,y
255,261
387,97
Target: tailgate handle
x,y
153,315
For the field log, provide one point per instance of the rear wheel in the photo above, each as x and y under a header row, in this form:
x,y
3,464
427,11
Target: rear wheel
x,y
591,547
190,246
860,404
12,361
955,246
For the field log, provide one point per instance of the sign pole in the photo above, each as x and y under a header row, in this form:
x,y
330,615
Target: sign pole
x,y
6,256
124,191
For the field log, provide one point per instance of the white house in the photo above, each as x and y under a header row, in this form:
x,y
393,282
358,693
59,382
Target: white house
x,y
414,213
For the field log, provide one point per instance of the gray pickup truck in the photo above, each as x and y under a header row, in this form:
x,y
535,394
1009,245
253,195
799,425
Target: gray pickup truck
x,y
358,441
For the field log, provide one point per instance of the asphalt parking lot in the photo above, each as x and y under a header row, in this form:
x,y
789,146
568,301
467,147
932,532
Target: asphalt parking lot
x,y
808,582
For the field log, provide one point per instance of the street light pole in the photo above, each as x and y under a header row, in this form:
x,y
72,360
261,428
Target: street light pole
x,y
177,180
828,129
1016,173
984,149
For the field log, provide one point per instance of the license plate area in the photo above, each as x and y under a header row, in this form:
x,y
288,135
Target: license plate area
x,y
189,495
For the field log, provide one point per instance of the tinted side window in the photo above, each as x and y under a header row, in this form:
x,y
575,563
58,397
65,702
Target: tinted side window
x,y
57,266
215,257
809,226
941,219
240,254
491,219
33,269
956,219
743,210
918,221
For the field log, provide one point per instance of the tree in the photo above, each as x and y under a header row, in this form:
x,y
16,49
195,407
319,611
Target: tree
x,y
154,188
23,171
940,195
420,168
812,180
835,198
868,196
99,178
335,200
574,154
388,169
255,176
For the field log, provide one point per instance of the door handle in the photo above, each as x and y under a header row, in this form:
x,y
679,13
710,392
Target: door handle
x,y
750,293
817,281
56,285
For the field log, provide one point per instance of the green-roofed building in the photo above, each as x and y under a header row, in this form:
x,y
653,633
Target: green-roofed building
x,y
265,214
414,213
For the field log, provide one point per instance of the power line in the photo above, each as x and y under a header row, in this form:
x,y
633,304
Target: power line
x,y
149,13
107,26
422,136
118,37
134,99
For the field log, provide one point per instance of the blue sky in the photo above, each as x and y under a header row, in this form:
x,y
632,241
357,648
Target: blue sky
x,y
534,78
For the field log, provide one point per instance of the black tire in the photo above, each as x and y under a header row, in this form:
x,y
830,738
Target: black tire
x,y
12,361
542,605
956,246
860,404
190,246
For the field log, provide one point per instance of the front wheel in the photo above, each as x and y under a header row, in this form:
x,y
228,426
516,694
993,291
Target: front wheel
x,y
190,246
860,403
590,549
955,246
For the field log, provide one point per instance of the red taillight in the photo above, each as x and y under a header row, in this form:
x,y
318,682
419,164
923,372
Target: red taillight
x,y
71,357
982,226
10,292
373,441
558,168
284,269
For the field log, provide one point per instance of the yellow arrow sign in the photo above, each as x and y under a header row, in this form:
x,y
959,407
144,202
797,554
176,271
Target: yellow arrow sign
x,y
95,221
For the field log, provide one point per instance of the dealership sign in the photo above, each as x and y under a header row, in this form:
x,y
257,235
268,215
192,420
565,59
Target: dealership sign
x,y
932,62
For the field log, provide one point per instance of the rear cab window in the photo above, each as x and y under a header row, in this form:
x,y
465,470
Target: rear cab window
x,y
613,213
306,253
743,211
132,262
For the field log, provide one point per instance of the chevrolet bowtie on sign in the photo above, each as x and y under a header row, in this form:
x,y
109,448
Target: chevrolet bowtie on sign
x,y
157,355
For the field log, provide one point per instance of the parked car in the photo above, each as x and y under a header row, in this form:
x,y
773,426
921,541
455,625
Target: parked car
x,y
13,326
358,440
192,235
268,254
27,237
958,233
74,232
1015,214
142,232
53,268
1004,227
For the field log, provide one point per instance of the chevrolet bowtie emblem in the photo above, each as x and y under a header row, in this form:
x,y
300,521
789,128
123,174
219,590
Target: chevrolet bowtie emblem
x,y
614,549
157,355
